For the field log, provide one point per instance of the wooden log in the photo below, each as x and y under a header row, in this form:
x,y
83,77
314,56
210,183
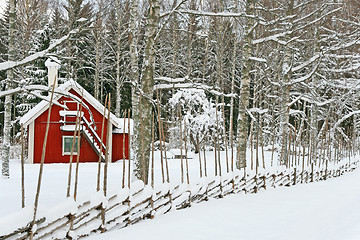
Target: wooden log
x,y
262,145
217,140
257,150
181,153
205,170
166,160
77,125
186,158
77,159
101,146
48,230
142,157
123,165
251,146
152,149
129,163
273,147
22,168
215,157
107,147
200,165
160,145
312,172
36,203
289,150
224,137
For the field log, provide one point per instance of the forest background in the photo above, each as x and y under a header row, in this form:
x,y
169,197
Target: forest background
x,y
275,71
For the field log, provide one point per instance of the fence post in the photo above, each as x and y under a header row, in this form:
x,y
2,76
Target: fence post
x,y
312,172
326,172
294,176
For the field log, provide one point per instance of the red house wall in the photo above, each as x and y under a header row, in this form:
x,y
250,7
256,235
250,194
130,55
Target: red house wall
x,y
117,152
54,143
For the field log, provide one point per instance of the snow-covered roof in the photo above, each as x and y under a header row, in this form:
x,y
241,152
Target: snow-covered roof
x,y
41,107
120,126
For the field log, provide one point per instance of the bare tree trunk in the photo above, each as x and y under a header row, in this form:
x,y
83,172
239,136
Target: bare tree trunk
x,y
36,202
146,88
152,149
98,45
285,96
231,130
101,146
118,83
22,168
77,156
8,98
134,58
77,126
107,147
243,121
181,152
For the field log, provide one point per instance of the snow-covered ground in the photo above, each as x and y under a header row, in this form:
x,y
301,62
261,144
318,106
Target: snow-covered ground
x,y
317,211
313,211
55,177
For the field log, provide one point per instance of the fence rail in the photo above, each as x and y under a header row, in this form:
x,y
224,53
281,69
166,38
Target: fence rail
x,y
74,220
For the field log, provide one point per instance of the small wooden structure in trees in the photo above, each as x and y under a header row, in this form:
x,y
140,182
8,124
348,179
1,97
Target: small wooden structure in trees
x,y
63,123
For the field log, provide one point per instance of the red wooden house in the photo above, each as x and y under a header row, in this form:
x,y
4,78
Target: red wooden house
x,y
62,126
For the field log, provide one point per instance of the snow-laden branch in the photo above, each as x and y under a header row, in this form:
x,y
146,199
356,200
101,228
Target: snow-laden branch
x,y
294,101
348,22
214,14
295,112
12,64
342,56
336,125
349,69
304,78
306,63
258,110
310,14
274,38
191,85
171,80
168,19
256,59
317,19
317,56
260,20
346,45
34,90
319,104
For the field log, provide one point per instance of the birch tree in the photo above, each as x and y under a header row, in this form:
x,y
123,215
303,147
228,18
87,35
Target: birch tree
x,y
10,77
142,137
243,121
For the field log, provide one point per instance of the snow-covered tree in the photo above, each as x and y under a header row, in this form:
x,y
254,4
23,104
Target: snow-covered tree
x,y
199,114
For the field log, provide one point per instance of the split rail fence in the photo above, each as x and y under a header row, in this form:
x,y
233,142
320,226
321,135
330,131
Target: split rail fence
x,y
72,220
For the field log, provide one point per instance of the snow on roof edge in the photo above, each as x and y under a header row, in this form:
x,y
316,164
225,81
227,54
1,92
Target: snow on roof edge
x,y
120,127
36,111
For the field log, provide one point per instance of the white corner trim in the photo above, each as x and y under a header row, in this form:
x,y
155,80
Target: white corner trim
x,y
31,141
110,141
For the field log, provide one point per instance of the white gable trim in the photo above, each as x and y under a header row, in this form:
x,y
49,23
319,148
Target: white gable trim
x,y
31,142
41,107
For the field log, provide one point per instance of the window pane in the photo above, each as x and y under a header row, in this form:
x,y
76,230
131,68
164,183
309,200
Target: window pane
x,y
68,141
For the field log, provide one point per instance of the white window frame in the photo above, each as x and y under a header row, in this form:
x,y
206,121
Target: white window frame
x,y
63,146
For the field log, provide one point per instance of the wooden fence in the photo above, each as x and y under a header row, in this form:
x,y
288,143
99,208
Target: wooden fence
x,y
74,220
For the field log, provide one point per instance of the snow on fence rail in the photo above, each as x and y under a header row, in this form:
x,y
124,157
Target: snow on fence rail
x,y
98,213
